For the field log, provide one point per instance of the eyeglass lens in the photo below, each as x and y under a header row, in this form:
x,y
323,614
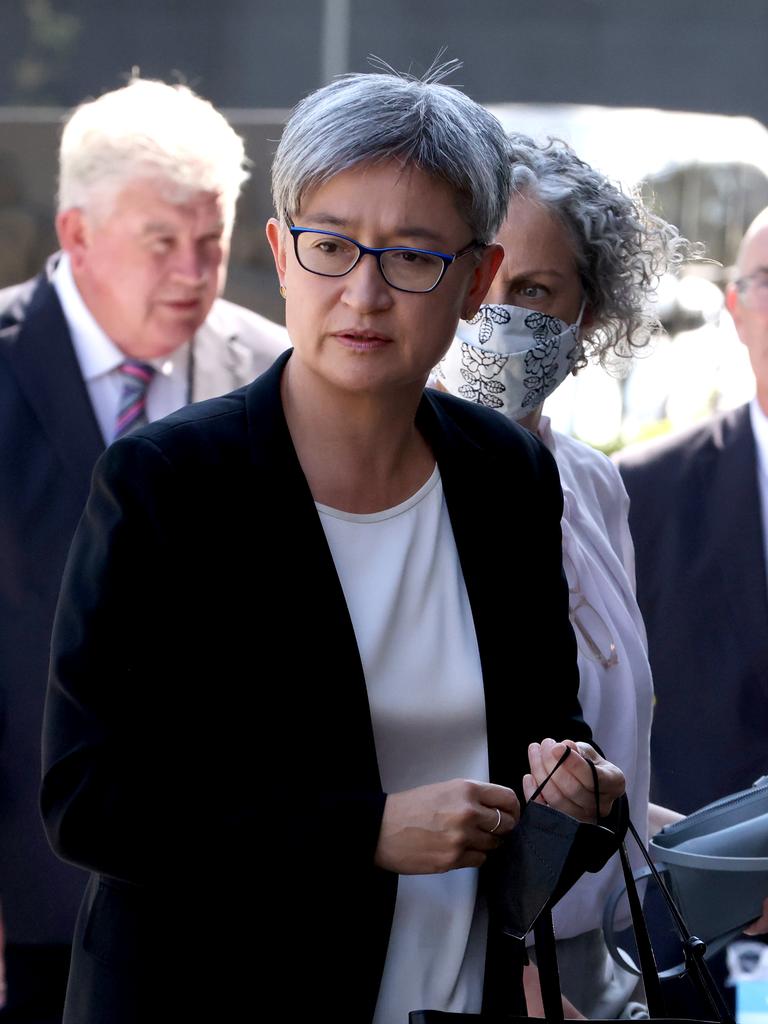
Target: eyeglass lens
x,y
332,256
593,637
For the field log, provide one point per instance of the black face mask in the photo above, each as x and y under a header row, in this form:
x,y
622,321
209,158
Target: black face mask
x,y
543,856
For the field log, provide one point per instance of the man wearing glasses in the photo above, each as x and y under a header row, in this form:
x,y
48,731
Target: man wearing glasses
x,y
699,518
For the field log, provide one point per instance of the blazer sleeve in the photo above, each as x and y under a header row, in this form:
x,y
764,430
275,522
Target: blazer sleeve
x,y
140,776
109,791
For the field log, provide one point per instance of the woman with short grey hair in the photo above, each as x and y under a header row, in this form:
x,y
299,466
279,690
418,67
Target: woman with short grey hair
x,y
345,601
416,176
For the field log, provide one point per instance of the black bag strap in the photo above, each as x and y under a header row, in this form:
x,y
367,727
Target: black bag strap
x,y
651,981
538,791
693,948
549,975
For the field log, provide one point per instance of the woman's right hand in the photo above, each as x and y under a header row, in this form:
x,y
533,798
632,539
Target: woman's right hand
x,y
444,826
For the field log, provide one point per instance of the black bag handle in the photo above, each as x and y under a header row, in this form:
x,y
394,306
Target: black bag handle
x,y
693,948
538,791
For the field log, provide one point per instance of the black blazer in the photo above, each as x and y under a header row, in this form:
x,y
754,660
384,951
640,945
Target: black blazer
x,y
701,585
208,748
49,442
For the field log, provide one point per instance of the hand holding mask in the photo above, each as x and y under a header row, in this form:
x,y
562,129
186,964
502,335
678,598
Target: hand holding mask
x,y
571,789
549,849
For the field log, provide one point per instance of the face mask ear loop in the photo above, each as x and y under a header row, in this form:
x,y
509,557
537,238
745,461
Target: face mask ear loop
x,y
537,792
582,310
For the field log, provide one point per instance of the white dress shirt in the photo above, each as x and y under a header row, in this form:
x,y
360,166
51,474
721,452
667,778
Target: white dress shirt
x,y
760,429
100,359
405,591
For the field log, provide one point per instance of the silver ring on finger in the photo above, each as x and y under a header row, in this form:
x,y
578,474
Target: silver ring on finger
x,y
498,821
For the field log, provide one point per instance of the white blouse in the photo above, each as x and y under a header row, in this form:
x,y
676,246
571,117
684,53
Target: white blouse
x,y
401,577
617,701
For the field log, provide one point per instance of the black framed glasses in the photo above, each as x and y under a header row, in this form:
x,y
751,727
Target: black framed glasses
x,y
330,254
593,636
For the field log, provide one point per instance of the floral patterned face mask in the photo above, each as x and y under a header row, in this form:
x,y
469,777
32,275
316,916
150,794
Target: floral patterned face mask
x,y
510,358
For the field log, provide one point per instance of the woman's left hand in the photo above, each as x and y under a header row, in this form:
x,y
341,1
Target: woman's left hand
x,y
571,788
760,926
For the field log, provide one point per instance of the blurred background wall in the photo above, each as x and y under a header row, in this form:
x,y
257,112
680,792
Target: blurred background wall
x,y
256,58
702,55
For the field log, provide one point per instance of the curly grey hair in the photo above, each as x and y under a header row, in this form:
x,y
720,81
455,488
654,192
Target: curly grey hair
x,y
368,118
621,248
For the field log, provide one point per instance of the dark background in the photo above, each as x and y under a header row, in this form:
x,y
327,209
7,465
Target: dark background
x,y
256,58
698,55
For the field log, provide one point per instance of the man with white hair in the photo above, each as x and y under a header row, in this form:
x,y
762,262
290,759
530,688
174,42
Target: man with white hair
x,y
699,519
123,326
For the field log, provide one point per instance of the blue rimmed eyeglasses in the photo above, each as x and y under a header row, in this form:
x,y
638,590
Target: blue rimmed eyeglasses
x,y
408,270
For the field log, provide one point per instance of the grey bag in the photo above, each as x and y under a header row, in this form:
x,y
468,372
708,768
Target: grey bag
x,y
716,866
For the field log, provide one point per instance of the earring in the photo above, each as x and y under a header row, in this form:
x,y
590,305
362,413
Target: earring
x,y
282,291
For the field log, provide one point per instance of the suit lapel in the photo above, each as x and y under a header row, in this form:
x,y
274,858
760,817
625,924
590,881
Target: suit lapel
x,y
736,529
46,367
220,363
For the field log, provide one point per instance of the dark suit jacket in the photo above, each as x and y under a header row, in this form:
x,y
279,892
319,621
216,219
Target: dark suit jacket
x,y
49,442
701,585
211,760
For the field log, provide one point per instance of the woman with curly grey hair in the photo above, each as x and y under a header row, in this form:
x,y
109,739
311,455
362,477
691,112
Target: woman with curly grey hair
x,y
580,260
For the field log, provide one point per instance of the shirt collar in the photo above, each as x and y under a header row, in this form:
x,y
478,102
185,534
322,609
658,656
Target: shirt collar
x,y
547,436
544,431
96,353
760,430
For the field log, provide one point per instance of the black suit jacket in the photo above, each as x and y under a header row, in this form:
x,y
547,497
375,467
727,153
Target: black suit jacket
x,y
49,442
211,761
701,585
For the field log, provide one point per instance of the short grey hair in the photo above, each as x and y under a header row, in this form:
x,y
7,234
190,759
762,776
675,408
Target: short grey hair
x,y
621,248
149,129
371,118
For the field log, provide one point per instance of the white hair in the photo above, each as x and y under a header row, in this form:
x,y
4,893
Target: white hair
x,y
367,118
148,129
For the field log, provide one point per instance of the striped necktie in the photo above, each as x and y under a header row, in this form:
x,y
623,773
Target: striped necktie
x,y
132,411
